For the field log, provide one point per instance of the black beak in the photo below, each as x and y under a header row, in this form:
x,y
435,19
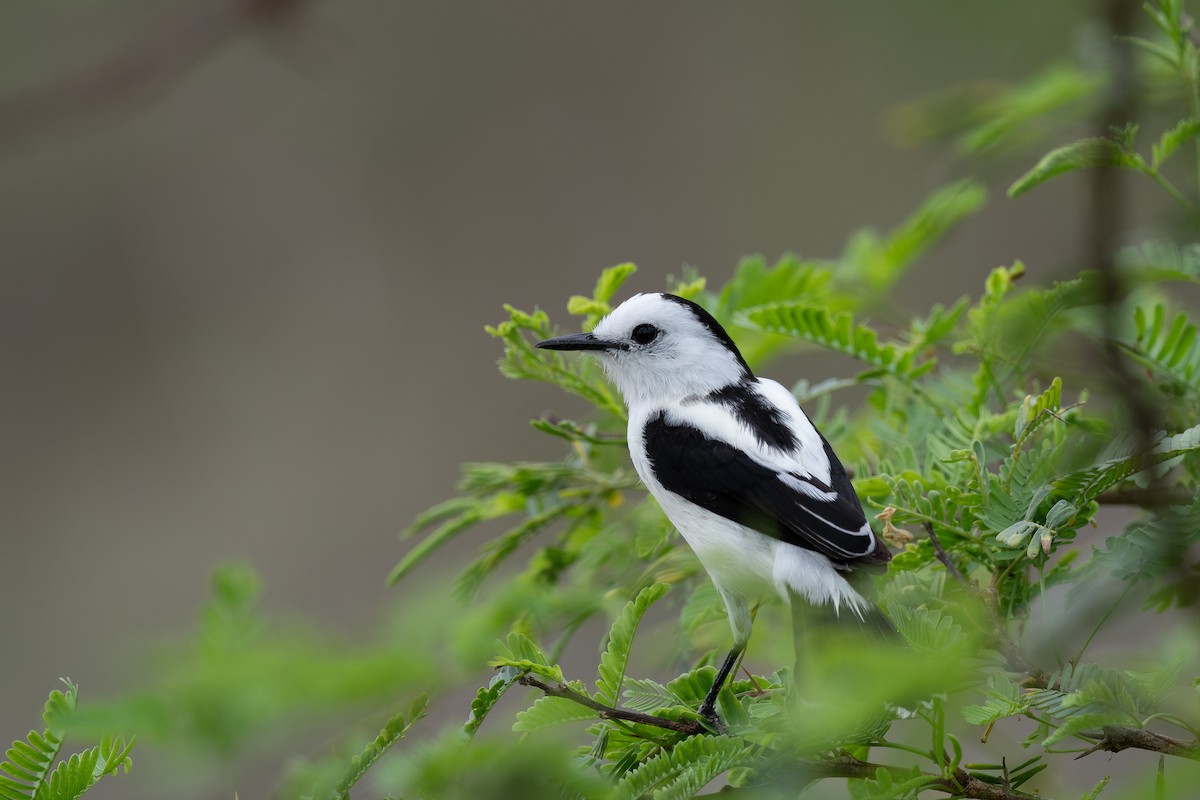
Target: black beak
x,y
579,341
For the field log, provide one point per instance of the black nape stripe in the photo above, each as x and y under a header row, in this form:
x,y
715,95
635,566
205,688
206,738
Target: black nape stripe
x,y
709,321
763,419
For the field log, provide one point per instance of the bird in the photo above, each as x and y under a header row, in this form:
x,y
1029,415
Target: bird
x,y
737,467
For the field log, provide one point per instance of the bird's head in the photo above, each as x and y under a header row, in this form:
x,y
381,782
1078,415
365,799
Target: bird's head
x,y
659,347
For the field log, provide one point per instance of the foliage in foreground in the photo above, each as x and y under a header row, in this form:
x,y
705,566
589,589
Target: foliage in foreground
x,y
990,444
34,770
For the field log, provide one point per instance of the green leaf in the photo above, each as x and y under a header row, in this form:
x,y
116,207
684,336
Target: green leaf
x,y
519,651
599,304
1036,411
754,284
1002,699
550,711
1172,350
871,266
620,639
1083,154
837,332
685,769
1084,485
24,773
1012,112
647,696
393,731
487,697
75,776
522,361
1170,141
498,549
928,629
1094,792
1160,261
940,212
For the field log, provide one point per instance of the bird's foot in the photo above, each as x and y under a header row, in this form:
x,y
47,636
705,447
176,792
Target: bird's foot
x,y
709,715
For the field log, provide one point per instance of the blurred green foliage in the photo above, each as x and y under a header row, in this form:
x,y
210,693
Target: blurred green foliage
x,y
986,449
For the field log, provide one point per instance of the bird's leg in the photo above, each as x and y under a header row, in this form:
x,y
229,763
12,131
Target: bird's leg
x,y
708,709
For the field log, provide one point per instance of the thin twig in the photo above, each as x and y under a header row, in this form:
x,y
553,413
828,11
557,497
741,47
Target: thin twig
x,y
943,556
141,69
1107,205
687,727
960,784
1125,737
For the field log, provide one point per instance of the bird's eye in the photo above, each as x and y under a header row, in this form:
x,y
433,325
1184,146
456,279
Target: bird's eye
x,y
644,333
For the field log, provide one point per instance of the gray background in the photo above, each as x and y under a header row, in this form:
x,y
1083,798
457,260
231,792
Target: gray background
x,y
244,316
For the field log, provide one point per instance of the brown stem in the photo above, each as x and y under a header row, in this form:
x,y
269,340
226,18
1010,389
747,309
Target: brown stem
x,y
687,727
942,556
960,784
1124,737
1035,675
143,68
1107,202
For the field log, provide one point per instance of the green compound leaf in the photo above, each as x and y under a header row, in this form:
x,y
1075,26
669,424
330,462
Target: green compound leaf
x,y
838,332
393,731
1171,349
620,640
1171,140
1086,484
1002,698
24,773
487,697
686,768
599,304
1084,154
547,712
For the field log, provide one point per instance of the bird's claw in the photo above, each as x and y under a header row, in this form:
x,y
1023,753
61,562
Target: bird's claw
x,y
709,715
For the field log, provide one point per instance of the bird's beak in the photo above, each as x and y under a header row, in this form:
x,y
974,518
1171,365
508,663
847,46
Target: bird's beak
x,y
579,341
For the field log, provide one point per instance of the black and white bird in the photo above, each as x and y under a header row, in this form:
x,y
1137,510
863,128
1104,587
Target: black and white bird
x,y
736,465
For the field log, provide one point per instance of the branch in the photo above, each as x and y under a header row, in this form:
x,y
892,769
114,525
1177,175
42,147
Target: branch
x,y
687,727
1124,737
142,68
961,784
942,556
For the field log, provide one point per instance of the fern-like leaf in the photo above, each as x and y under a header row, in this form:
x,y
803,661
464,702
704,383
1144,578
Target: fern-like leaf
x,y
25,772
547,712
522,361
73,777
620,639
645,695
598,305
1002,698
684,769
837,332
1083,154
487,697
1161,261
393,731
1086,484
1170,349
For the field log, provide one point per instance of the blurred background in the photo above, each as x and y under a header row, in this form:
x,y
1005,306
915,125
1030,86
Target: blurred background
x,y
246,261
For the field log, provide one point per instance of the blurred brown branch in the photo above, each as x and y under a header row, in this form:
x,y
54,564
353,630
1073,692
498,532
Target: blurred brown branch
x,y
1123,737
1107,206
143,68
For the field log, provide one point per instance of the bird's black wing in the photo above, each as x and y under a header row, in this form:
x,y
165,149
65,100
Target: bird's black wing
x,y
724,480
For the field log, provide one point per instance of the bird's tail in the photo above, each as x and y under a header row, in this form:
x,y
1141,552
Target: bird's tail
x,y
814,622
